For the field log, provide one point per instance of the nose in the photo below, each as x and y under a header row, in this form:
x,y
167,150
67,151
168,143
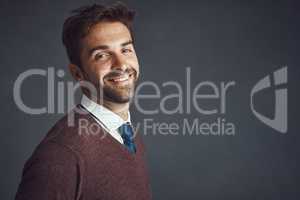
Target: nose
x,y
119,63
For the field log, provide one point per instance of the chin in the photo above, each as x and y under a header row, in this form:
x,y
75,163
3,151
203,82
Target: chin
x,y
118,99
117,96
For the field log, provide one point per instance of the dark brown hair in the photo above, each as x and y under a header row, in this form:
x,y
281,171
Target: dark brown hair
x,y
84,18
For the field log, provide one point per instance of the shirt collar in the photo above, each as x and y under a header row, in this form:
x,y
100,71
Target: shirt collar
x,y
109,119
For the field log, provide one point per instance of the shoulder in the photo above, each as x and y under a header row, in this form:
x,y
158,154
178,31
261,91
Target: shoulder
x,y
52,154
75,131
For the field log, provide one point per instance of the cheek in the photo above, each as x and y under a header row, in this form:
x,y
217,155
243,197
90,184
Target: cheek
x,y
135,64
97,73
138,70
100,75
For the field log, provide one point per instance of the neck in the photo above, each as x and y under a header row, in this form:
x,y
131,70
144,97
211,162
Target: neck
x,y
119,109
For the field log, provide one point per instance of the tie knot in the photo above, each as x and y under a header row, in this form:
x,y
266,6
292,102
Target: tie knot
x,y
126,132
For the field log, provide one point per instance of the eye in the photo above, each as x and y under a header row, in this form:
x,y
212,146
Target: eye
x,y
101,56
126,50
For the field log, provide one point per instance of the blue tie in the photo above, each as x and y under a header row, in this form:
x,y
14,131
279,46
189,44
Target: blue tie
x,y
126,132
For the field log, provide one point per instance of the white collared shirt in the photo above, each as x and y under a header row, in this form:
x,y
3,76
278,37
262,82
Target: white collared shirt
x,y
106,118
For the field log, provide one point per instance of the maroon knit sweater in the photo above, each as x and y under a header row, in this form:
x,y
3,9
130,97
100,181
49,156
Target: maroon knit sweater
x,y
86,163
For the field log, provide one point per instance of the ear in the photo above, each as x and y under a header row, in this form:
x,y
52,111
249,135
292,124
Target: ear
x,y
76,72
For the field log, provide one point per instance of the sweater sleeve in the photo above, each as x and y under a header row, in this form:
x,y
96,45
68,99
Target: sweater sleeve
x,y
52,173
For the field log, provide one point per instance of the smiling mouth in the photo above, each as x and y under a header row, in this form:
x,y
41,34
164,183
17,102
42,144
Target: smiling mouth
x,y
121,78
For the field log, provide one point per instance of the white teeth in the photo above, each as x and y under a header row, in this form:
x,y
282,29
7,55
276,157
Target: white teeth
x,y
123,78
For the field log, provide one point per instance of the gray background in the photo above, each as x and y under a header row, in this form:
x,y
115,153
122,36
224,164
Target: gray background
x,y
221,41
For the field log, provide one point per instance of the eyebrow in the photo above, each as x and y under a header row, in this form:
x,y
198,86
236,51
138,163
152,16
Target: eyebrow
x,y
104,47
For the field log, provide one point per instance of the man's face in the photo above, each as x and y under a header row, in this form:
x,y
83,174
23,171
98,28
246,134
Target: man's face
x,y
109,62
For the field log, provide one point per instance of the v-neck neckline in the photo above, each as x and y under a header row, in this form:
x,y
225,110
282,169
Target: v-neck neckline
x,y
113,141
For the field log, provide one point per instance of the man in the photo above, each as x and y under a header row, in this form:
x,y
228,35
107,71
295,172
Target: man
x,y
98,156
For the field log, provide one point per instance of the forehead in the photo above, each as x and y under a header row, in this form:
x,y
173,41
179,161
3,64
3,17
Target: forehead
x,y
107,33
